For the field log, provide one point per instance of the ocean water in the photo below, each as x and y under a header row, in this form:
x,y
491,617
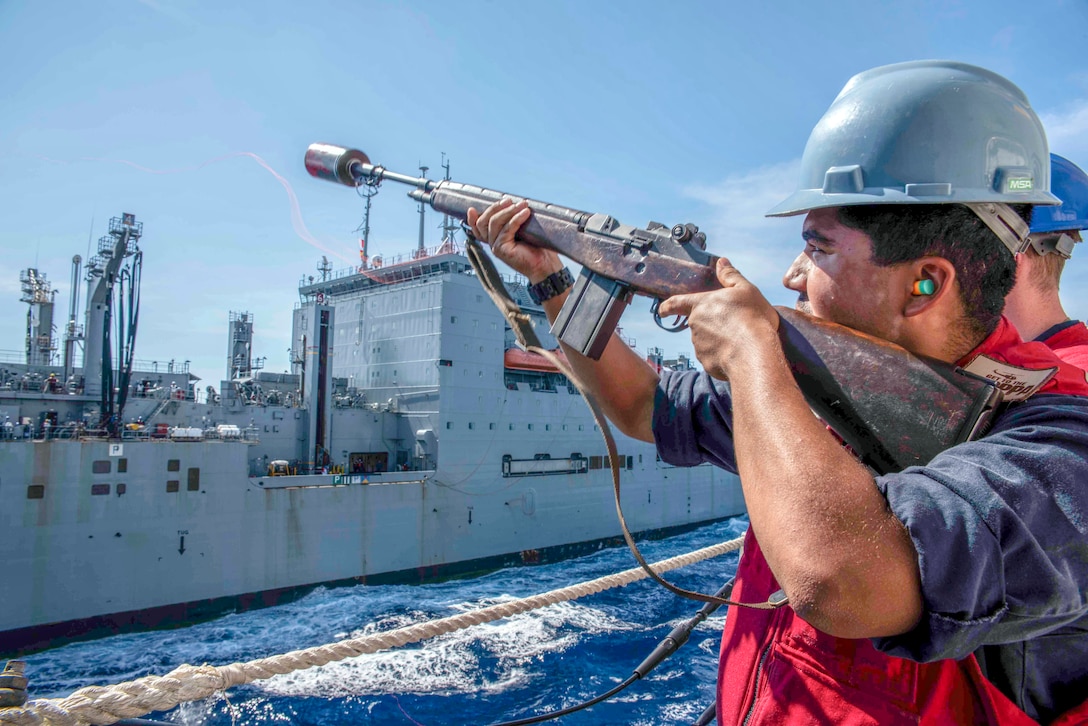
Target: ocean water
x,y
522,666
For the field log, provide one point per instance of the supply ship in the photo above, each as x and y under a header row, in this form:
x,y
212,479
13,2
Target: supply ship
x,y
410,441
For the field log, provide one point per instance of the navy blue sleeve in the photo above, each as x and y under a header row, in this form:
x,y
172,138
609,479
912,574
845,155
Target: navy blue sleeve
x,y
693,420
1001,530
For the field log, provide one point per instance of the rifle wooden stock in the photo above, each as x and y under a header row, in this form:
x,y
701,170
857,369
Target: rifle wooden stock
x,y
894,408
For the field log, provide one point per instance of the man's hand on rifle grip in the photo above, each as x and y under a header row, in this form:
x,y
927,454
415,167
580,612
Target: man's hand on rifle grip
x,y
725,324
498,225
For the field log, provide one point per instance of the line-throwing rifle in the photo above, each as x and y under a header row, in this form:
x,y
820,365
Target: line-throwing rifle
x,y
894,408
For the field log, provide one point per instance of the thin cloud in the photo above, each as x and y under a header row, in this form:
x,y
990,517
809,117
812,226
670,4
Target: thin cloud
x,y
760,247
165,8
9,282
1004,37
1067,130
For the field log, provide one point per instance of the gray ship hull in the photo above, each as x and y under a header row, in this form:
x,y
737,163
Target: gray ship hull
x,y
411,441
82,564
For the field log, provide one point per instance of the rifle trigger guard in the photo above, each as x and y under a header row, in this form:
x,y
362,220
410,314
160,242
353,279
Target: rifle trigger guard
x,y
681,322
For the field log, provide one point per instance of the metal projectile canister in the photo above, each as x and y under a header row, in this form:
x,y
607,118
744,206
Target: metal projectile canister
x,y
333,163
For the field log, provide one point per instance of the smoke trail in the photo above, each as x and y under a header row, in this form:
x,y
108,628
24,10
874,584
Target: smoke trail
x,y
297,222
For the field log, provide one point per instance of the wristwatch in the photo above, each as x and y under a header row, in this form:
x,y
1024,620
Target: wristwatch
x,y
550,286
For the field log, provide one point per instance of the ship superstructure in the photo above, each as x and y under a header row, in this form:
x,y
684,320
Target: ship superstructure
x,y
411,440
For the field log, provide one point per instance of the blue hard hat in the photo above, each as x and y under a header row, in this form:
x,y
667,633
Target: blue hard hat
x,y
1069,183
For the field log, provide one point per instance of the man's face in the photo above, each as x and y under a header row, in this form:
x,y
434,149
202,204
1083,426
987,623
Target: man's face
x,y
836,279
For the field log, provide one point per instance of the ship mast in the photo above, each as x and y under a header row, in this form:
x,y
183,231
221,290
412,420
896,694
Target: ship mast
x,y
366,190
422,214
72,332
449,228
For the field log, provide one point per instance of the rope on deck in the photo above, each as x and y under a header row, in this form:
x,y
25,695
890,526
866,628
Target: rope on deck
x,y
109,704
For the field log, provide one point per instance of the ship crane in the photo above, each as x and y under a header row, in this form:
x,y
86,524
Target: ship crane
x,y
113,285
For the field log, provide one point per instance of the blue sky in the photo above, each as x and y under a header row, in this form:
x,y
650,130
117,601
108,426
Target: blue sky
x,y
683,111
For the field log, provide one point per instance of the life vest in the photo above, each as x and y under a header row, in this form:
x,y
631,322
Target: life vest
x,y
776,669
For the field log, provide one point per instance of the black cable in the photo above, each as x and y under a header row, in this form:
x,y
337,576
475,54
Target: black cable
x,y
127,333
671,643
708,715
571,709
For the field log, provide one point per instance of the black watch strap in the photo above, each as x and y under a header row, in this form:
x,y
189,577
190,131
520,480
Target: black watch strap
x,y
550,286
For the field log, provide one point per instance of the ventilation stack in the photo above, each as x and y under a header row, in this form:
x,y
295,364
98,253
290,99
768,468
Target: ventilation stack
x,y
39,294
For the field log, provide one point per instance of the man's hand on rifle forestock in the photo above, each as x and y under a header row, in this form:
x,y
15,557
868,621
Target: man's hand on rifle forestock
x,y
498,225
725,324
622,382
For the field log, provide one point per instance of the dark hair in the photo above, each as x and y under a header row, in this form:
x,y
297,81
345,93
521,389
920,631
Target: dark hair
x,y
985,268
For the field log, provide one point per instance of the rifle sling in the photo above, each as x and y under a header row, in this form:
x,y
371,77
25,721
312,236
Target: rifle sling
x,y
527,339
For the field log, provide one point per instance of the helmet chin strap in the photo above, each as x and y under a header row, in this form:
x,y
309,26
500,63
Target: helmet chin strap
x,y
1003,220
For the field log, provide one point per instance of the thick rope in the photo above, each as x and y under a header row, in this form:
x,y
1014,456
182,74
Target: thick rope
x,y
132,699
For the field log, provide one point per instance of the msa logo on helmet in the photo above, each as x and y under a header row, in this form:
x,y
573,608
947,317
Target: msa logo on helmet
x,y
1020,184
1014,180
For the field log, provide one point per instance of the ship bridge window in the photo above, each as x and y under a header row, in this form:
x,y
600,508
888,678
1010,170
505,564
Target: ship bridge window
x,y
173,465
101,467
